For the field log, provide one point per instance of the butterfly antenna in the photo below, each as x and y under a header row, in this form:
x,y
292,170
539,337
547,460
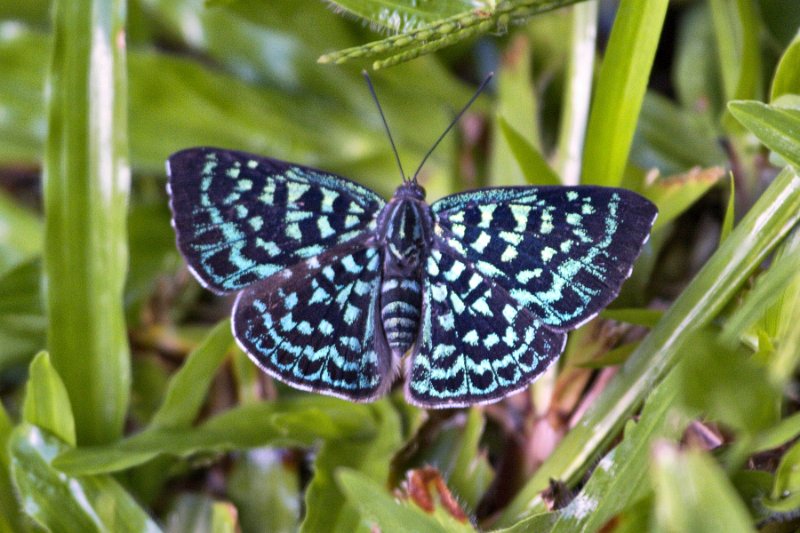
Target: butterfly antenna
x,y
453,123
385,124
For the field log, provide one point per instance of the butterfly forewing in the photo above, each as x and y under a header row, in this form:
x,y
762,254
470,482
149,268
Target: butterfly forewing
x,y
476,343
560,252
241,218
317,325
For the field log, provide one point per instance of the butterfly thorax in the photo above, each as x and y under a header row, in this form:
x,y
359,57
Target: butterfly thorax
x,y
404,231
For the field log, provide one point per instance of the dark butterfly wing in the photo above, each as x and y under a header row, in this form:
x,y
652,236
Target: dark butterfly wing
x,y
476,343
560,252
241,218
316,325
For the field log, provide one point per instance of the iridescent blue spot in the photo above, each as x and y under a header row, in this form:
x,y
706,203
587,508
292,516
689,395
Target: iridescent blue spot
x,y
325,327
471,337
573,219
256,222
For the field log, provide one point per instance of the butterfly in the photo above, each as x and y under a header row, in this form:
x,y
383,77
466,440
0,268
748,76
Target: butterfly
x,y
335,284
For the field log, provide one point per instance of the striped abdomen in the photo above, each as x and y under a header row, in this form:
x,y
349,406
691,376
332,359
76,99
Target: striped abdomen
x,y
401,300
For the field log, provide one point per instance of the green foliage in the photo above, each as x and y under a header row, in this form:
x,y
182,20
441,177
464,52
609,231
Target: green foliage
x,y
677,416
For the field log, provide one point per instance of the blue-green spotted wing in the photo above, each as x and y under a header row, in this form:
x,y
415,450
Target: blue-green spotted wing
x,y
298,244
510,271
316,325
335,284
241,218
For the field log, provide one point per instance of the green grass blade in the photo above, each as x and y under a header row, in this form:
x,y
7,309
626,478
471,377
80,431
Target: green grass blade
x,y
22,319
778,128
46,401
327,509
533,166
736,29
86,181
730,210
25,241
787,73
693,494
11,517
786,315
188,387
575,107
249,426
770,286
770,219
516,142
620,90
62,503
381,508
621,477
675,194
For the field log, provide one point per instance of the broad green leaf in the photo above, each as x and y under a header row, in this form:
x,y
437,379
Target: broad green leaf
x,y
516,115
736,33
621,477
675,194
326,506
777,128
778,434
783,317
786,489
188,387
787,74
86,180
692,494
528,159
730,372
470,474
23,55
695,72
264,484
63,503
11,517
781,18
769,287
673,140
20,233
380,508
192,513
620,89
47,404
248,426
768,221
22,321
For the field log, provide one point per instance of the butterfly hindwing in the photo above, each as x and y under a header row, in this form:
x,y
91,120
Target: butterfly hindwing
x,y
317,325
241,218
476,343
560,252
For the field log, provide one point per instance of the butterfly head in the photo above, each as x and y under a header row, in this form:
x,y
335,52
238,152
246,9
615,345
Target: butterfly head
x,y
410,190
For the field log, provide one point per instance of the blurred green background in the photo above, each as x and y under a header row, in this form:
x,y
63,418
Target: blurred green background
x,y
127,407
